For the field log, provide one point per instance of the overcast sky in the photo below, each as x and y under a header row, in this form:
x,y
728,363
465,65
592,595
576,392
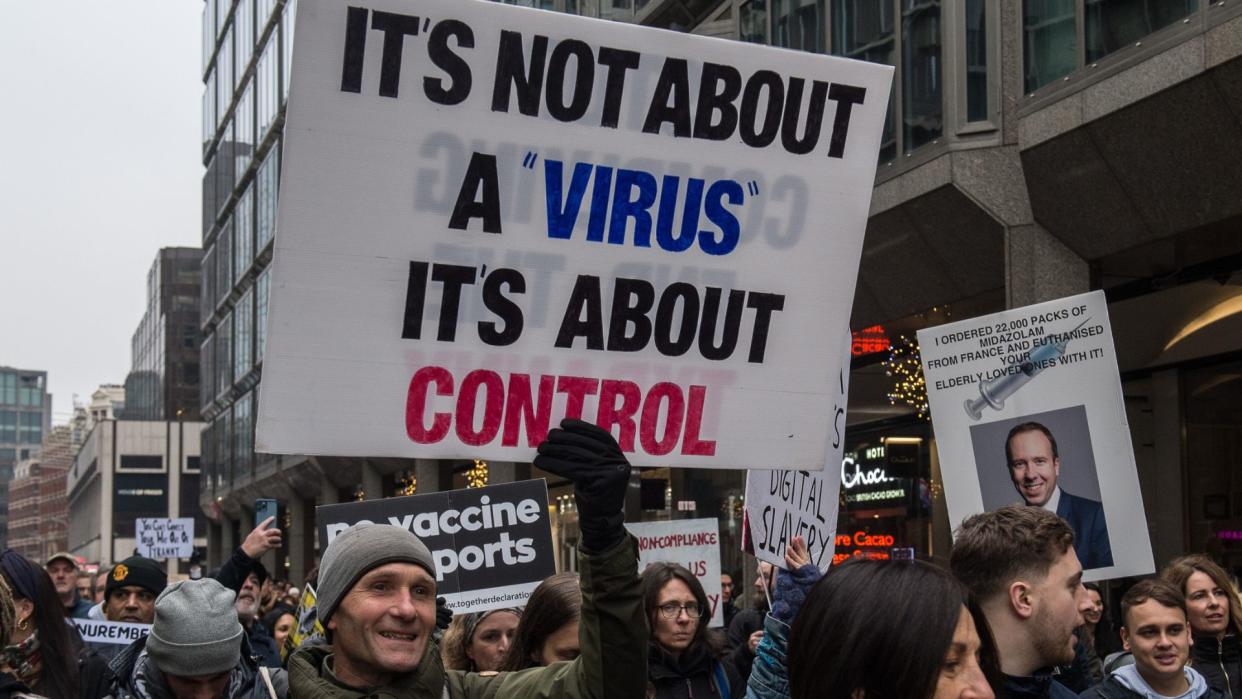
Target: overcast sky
x,y
99,169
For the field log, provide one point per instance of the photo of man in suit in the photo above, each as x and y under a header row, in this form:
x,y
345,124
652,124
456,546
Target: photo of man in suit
x,y
1034,465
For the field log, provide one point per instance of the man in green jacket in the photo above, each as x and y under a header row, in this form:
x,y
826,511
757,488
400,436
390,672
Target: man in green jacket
x,y
377,590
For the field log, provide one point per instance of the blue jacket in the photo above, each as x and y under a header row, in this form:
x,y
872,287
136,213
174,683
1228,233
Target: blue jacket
x,y
79,608
769,678
1086,518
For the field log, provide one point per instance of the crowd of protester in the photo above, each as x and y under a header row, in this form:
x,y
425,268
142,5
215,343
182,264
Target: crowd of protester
x,y
1011,617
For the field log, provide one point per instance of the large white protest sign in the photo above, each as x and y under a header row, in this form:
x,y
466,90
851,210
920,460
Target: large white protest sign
x,y
1027,408
692,543
492,546
113,633
492,217
164,537
782,504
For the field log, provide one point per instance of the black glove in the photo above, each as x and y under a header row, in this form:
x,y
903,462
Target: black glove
x,y
592,459
444,615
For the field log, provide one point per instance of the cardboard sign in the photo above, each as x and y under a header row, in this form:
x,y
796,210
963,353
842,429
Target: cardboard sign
x,y
492,546
783,504
114,633
693,543
164,537
1027,408
492,217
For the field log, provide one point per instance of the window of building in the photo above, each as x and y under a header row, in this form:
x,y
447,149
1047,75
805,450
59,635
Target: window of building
x,y
921,83
224,262
242,450
222,13
266,183
30,430
223,449
267,79
242,334
8,388
263,13
977,60
8,426
1050,32
209,32
209,110
129,462
243,127
243,233
260,326
192,464
225,81
864,29
31,391
753,21
798,24
286,42
207,366
209,282
243,29
224,355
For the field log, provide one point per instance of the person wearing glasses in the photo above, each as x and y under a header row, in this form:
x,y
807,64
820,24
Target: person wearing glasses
x,y
683,659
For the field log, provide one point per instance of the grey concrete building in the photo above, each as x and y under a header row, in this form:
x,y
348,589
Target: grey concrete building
x,y
1033,150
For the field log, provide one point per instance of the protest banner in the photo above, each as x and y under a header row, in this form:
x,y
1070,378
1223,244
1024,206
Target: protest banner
x,y
164,537
694,543
307,619
113,633
1027,408
492,217
492,546
782,504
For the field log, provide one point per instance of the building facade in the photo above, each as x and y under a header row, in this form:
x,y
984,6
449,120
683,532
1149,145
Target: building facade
x,y
38,505
163,380
128,469
25,417
1032,150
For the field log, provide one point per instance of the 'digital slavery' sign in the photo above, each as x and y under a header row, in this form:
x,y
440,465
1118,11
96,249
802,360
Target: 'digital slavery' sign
x,y
492,217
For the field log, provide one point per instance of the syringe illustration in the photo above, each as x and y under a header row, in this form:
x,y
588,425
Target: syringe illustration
x,y
994,392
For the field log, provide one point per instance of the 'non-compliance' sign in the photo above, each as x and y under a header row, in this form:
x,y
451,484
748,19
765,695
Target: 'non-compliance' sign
x,y
492,217
492,546
115,633
693,543
164,537
782,504
1027,408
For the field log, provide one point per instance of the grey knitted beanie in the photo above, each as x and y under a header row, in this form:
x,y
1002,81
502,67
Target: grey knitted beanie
x,y
359,549
196,631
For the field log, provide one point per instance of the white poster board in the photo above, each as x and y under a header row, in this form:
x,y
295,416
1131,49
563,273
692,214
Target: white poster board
x,y
112,633
782,504
692,543
1027,407
492,217
164,537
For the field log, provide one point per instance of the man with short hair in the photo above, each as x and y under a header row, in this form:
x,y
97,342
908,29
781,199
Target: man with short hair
x,y
196,648
728,608
1156,630
746,630
248,611
63,569
1019,563
1035,466
377,601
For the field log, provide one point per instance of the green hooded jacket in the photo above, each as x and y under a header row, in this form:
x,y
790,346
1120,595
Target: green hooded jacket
x,y
612,632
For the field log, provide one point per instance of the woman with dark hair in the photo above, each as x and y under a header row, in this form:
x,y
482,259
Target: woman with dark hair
x,y
480,641
548,631
684,660
41,652
1215,616
279,623
890,629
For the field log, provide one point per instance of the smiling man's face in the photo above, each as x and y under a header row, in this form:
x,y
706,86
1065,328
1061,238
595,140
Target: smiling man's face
x,y
1033,467
382,625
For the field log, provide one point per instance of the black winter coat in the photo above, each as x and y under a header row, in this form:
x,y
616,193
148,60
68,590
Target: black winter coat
x,y
695,675
1038,686
1220,663
1110,688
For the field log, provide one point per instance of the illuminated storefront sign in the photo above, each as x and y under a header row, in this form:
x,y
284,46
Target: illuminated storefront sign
x,y
862,544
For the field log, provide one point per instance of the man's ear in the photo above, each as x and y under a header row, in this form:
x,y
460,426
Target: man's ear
x,y
1021,599
1125,638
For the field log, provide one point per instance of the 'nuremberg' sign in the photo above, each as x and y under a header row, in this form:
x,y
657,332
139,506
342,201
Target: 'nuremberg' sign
x,y
493,217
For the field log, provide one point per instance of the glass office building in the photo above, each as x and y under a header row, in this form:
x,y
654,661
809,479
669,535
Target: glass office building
x,y
25,417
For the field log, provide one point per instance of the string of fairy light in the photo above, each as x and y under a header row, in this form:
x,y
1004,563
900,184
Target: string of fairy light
x,y
904,366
